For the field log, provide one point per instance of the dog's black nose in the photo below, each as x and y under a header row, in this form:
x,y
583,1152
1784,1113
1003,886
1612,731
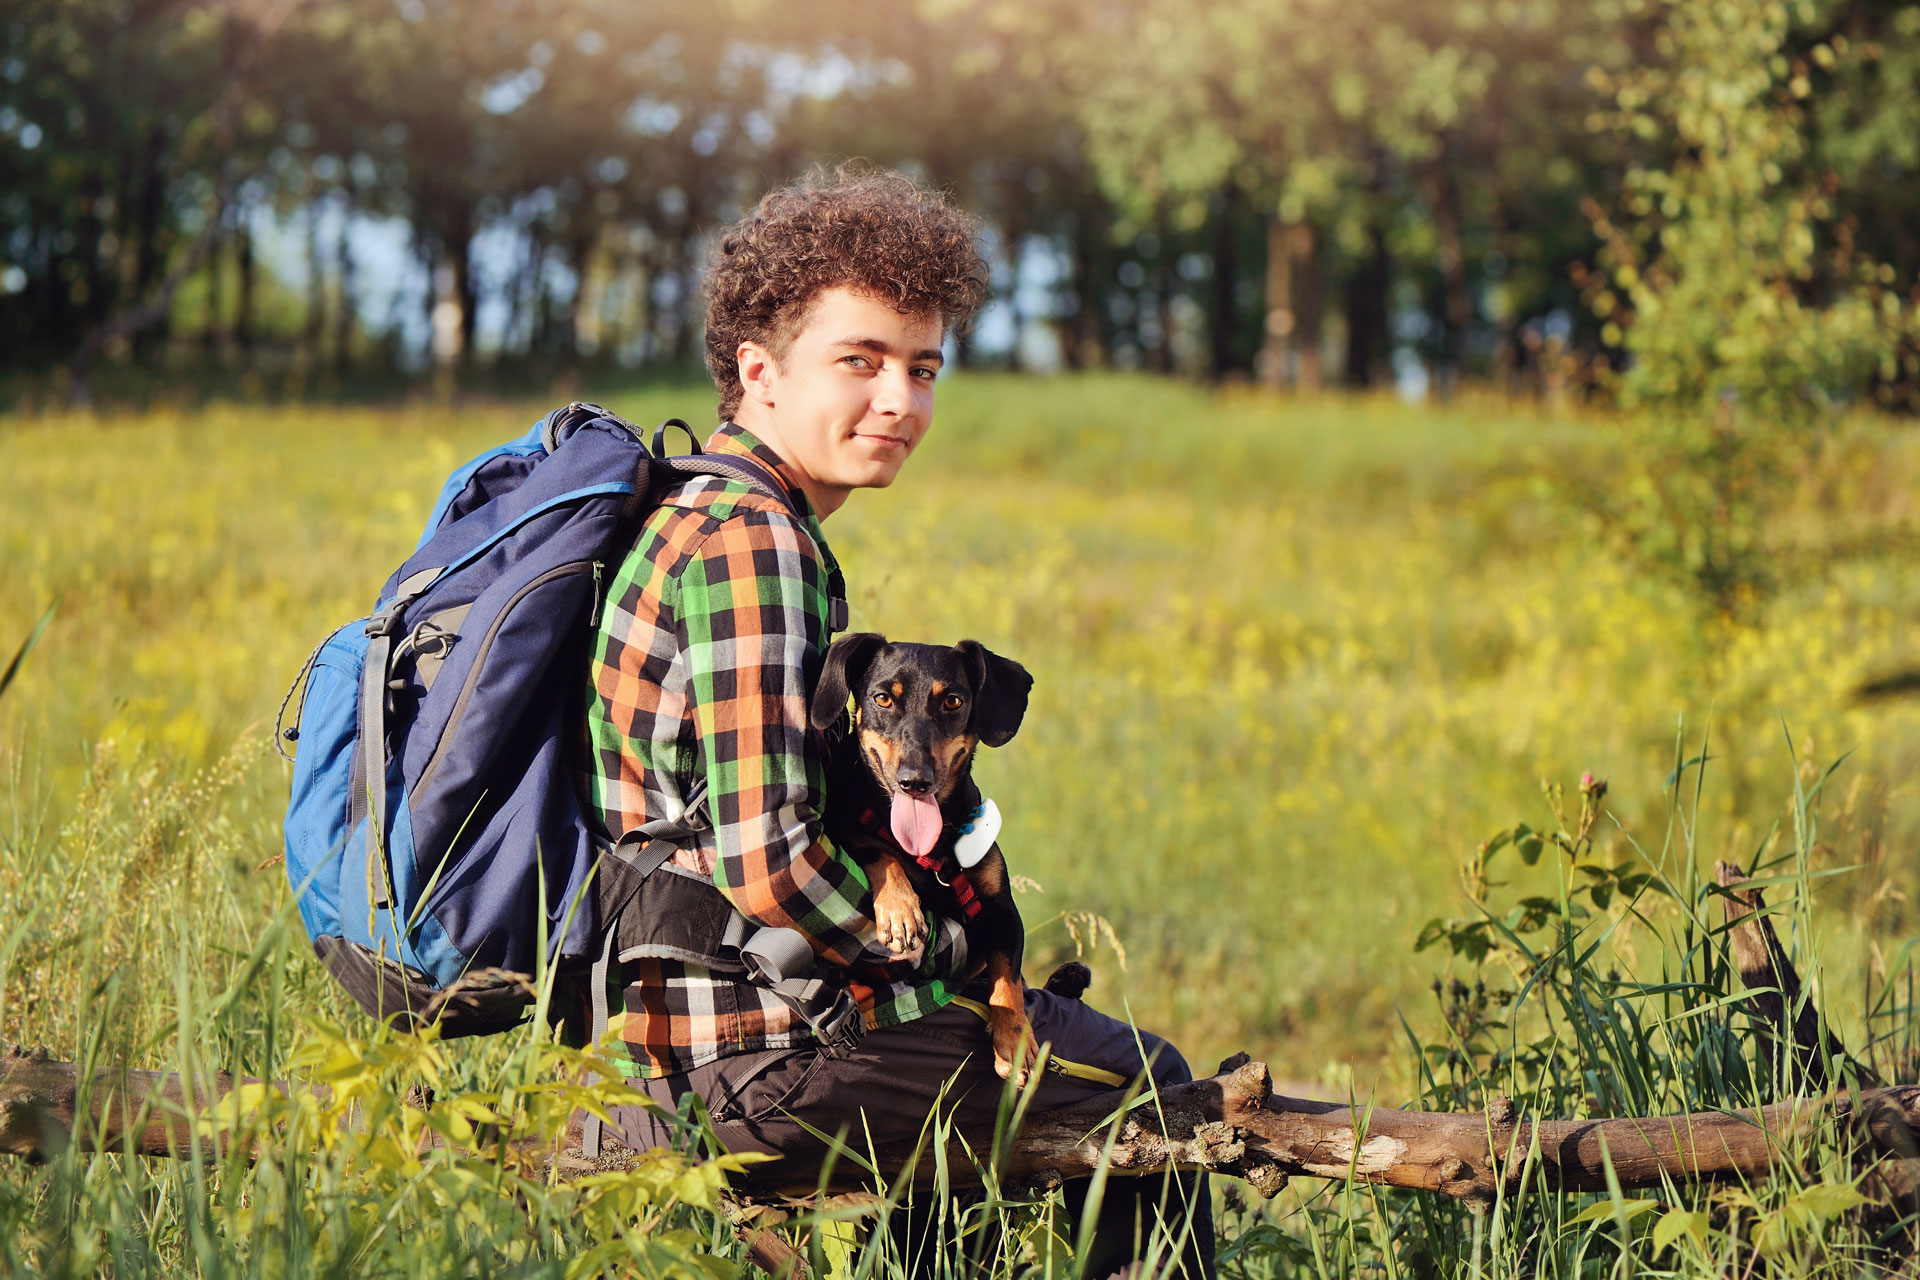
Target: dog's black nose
x,y
916,784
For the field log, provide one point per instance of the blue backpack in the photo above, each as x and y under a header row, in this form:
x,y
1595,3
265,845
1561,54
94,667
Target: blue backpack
x,y
438,835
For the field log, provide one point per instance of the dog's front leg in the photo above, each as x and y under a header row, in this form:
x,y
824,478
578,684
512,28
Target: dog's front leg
x,y
898,919
999,934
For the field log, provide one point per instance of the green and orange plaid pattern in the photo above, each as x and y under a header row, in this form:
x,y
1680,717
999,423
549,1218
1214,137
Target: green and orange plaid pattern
x,y
713,630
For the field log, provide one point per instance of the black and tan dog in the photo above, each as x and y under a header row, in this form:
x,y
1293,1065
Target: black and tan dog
x,y
919,712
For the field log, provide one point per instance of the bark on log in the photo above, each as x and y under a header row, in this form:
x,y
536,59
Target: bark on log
x,y
1790,1021
1777,997
1232,1124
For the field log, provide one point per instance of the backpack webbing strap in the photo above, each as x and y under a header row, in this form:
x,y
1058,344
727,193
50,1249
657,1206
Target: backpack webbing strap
x,y
373,747
645,861
381,629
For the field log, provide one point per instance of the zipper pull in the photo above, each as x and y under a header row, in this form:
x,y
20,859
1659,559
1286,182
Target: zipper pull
x,y
593,613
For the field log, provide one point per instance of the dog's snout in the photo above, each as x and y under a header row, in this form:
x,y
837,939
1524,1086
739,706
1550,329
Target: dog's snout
x,y
915,781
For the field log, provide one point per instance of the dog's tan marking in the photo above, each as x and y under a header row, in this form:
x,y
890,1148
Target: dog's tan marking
x,y
989,875
899,690
950,758
883,754
1014,1050
939,687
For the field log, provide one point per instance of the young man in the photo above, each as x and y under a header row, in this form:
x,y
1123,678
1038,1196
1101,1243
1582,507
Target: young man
x,y
827,307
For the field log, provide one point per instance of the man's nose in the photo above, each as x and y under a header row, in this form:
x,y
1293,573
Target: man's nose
x,y
893,393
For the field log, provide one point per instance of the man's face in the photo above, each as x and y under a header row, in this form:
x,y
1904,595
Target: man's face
x,y
851,398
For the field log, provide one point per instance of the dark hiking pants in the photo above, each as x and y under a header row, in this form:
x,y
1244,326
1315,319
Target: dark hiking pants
x,y
880,1097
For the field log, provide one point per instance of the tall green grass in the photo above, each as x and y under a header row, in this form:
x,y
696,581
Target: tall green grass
x,y
1296,661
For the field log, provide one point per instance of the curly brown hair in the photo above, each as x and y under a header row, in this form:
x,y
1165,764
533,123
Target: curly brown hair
x,y
877,232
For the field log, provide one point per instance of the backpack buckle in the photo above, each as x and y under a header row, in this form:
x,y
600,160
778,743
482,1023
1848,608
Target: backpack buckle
x,y
387,621
841,1027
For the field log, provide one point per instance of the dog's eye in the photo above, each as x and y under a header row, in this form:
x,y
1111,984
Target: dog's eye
x,y
953,702
882,700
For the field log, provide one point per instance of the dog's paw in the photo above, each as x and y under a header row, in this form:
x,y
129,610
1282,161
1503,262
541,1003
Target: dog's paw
x,y
898,921
1015,1054
1070,980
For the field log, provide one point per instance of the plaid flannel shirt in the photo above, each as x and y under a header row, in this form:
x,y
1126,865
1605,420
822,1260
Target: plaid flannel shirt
x,y
707,649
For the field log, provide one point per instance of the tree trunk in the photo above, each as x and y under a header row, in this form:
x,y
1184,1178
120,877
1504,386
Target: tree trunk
x,y
465,292
1273,364
1368,340
343,314
1225,319
1456,309
1084,348
1308,307
149,218
314,322
210,332
243,305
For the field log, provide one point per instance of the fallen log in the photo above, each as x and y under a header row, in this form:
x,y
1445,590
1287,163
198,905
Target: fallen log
x,y
1231,1123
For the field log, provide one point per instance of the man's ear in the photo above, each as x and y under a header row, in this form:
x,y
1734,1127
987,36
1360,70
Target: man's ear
x,y
1000,689
845,667
758,371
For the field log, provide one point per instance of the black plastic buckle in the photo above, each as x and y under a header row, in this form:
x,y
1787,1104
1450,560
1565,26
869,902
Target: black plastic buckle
x,y
387,621
841,1029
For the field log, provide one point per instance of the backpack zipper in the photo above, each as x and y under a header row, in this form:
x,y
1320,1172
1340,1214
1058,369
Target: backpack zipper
x,y
593,610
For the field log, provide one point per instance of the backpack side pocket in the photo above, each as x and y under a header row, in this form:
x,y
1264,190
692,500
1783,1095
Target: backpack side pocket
x,y
319,810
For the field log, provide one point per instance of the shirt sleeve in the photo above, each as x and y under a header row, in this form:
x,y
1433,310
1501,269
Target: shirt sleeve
x,y
751,611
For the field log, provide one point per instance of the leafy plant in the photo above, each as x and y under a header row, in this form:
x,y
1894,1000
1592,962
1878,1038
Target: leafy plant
x,y
1746,318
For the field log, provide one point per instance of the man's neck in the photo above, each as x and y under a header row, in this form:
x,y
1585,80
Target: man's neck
x,y
824,498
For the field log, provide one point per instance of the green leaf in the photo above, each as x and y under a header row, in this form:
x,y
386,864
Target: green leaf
x,y
1770,1237
1828,1199
1604,1211
1676,1223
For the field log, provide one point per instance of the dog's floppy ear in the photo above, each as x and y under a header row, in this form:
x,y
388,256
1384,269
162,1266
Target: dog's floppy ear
x,y
847,662
1000,689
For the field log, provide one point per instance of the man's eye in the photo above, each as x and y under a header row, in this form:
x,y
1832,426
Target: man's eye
x,y
882,700
858,362
926,374
954,702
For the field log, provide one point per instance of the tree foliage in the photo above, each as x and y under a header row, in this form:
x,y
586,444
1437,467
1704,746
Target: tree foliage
x,y
1697,196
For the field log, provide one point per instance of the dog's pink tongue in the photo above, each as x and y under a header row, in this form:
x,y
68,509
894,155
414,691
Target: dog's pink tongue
x,y
916,823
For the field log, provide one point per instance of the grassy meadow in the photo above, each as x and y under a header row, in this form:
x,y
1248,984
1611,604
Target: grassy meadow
x,y
1295,661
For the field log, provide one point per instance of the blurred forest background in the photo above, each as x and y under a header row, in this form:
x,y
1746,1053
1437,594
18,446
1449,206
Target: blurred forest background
x,y
310,196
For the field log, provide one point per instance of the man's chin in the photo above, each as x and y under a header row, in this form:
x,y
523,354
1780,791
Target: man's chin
x,y
873,477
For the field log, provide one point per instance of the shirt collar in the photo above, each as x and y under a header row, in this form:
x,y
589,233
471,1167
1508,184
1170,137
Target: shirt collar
x,y
736,439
